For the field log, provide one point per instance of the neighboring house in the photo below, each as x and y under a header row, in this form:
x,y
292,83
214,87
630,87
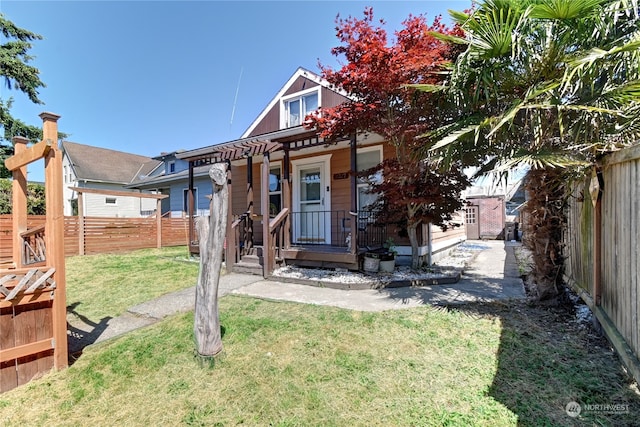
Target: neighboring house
x,y
492,209
173,180
308,183
95,168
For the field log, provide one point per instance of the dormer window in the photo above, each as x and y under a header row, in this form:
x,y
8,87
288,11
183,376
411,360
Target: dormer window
x,y
172,167
296,107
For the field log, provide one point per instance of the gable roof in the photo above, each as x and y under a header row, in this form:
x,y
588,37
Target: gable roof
x,y
105,165
300,72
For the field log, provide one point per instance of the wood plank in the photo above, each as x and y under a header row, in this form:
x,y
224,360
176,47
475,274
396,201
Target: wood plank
x,y
44,331
8,373
31,154
634,309
25,335
23,352
119,193
623,156
27,299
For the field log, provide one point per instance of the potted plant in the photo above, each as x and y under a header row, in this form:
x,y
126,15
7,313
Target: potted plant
x,y
388,257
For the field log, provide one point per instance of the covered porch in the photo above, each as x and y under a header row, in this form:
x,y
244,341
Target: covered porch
x,y
288,202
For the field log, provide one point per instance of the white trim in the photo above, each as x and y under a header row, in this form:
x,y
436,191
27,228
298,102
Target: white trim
x,y
300,72
380,149
293,96
325,189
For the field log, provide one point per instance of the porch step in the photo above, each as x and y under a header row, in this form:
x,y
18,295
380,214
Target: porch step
x,y
250,264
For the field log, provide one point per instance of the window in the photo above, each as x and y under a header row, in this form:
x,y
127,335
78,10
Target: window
x,y
110,200
368,158
172,167
65,175
297,107
185,201
470,215
275,190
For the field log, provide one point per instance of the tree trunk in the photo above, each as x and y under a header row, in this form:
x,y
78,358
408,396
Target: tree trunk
x,y
412,231
545,222
211,237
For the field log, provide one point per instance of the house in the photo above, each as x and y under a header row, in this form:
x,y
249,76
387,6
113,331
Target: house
x,y
172,179
293,192
103,174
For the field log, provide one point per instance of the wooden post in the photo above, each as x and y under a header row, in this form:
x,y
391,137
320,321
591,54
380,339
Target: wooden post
x,y
248,243
211,237
230,255
267,253
80,223
286,194
190,206
54,236
19,201
597,248
354,193
159,222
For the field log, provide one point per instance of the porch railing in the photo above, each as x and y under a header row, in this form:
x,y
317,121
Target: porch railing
x,y
242,226
278,229
336,228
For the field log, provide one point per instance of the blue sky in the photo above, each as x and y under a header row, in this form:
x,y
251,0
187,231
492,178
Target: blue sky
x,y
152,76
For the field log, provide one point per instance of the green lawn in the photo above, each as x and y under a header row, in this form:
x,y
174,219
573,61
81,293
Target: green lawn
x,y
105,285
288,364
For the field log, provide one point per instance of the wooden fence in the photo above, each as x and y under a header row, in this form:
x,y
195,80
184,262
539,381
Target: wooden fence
x,y
603,248
104,234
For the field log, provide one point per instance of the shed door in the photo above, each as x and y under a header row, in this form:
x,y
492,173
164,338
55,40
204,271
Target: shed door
x,y
472,222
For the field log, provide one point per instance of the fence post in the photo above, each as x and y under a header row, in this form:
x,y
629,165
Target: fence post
x,y
159,222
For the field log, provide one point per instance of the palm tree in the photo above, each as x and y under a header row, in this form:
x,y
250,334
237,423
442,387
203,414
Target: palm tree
x,y
549,84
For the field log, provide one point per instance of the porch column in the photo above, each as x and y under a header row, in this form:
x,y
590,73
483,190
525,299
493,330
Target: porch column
x,y
230,254
19,201
286,194
248,244
354,194
267,252
190,208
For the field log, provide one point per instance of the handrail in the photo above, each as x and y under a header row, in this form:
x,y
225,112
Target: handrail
x,y
240,218
275,222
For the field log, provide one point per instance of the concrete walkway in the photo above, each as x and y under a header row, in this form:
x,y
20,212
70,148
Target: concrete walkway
x,y
492,275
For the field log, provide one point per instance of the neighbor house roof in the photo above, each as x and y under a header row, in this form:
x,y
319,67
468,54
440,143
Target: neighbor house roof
x,y
104,165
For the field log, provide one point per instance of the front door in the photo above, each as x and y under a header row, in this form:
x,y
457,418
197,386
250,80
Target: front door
x,y
311,223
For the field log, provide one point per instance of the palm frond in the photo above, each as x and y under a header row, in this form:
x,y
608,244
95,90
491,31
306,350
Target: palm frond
x,y
564,9
541,159
456,136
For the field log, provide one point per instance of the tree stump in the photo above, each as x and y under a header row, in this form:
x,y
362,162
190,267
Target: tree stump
x,y
211,235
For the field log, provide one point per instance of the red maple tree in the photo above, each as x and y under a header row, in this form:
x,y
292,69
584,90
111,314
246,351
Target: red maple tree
x,y
375,75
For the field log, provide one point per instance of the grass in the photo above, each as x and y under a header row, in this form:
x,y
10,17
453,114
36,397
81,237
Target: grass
x,y
288,364
105,285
